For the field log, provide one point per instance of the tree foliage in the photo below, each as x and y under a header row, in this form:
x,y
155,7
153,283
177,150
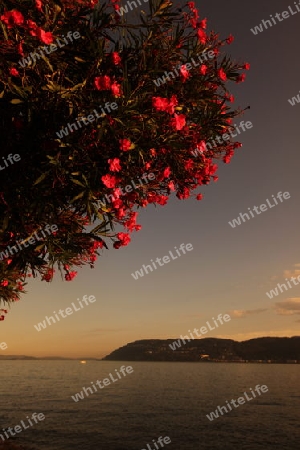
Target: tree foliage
x,y
77,181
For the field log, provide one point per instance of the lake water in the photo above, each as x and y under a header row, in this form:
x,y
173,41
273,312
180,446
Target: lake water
x,y
157,399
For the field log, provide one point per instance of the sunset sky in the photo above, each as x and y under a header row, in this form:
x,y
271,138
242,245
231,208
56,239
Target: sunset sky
x,y
230,269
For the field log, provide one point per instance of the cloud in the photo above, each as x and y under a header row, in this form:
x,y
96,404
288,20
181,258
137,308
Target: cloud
x,y
292,273
238,313
288,307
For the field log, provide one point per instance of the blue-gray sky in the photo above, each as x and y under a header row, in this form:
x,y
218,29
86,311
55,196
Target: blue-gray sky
x,y
230,269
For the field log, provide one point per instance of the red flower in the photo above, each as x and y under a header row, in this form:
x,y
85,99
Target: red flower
x,y
116,58
109,181
184,73
33,28
11,18
38,5
163,104
193,19
199,197
116,89
4,283
120,213
162,199
111,121
125,144
102,83
167,172
246,66
45,36
171,186
14,72
189,164
222,75
178,122
159,103
212,169
227,159
203,24
117,192
172,103
49,275
114,165
237,144
124,239
131,223
201,147
20,49
98,244
115,6
241,78
69,276
20,286
184,194
201,36
230,39
203,69
118,203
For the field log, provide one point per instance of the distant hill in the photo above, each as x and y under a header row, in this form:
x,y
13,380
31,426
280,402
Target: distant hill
x,y
10,357
265,349
43,358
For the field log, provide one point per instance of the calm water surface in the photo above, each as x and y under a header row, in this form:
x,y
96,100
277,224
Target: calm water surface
x,y
157,399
